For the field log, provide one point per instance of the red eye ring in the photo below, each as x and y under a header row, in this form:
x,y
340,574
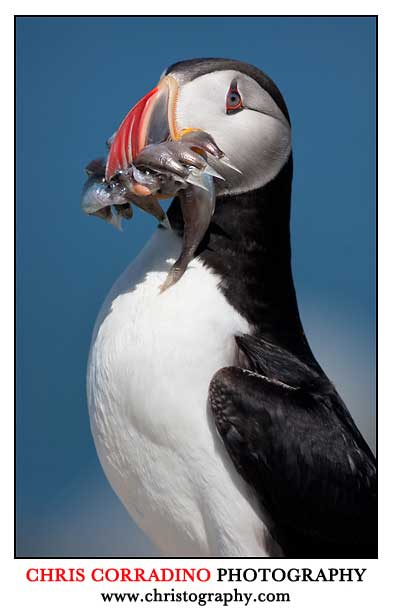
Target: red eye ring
x,y
234,101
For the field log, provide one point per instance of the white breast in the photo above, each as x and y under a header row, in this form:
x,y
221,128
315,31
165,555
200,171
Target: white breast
x,y
151,361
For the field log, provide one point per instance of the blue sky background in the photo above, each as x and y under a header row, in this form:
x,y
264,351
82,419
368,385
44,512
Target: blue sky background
x,y
76,79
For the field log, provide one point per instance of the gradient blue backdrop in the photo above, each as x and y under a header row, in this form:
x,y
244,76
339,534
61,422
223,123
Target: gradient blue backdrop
x,y
76,78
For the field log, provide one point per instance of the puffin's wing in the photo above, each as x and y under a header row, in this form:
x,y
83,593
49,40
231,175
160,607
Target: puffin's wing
x,y
311,472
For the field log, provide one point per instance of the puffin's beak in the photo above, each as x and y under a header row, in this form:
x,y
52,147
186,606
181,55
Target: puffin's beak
x,y
150,121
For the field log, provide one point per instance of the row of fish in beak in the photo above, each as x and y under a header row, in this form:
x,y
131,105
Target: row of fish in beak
x,y
161,171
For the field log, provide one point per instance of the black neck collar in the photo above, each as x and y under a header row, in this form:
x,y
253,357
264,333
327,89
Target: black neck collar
x,y
248,245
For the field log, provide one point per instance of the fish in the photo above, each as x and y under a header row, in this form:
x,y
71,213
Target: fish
x,y
107,214
112,201
197,204
161,170
97,194
105,201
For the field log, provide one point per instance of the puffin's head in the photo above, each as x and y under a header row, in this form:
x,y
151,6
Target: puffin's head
x,y
234,102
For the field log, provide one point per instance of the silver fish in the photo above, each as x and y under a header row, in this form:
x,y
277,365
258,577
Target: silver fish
x,y
197,204
97,194
106,201
118,194
108,214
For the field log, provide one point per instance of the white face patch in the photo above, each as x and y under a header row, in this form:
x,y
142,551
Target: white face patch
x,y
257,139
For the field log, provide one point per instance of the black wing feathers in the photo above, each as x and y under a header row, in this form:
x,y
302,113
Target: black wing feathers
x,y
291,438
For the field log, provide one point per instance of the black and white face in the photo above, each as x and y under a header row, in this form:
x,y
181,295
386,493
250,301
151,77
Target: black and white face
x,y
235,103
245,122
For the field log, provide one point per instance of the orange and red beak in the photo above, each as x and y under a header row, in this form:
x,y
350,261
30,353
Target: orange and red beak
x,y
150,121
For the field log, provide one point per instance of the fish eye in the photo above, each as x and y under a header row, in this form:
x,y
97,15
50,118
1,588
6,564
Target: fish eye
x,y
234,101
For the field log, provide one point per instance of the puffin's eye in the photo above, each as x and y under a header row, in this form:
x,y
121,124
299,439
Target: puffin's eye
x,y
234,100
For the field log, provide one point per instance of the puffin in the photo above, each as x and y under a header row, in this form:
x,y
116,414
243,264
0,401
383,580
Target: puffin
x,y
213,422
